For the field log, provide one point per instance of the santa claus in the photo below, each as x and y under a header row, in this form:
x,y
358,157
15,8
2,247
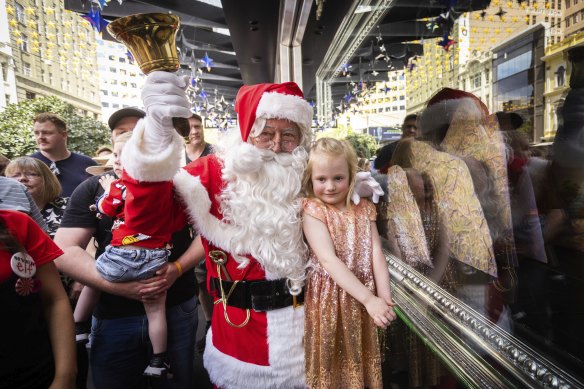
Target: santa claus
x,y
245,204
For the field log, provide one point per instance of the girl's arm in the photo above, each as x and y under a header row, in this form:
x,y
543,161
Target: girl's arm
x,y
60,324
320,241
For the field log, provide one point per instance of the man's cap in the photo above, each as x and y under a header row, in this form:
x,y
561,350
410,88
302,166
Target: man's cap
x,y
124,113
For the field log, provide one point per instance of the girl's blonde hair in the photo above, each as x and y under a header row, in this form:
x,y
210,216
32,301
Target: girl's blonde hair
x,y
332,148
51,188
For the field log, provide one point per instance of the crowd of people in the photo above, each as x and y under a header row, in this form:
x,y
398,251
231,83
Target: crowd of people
x,y
280,238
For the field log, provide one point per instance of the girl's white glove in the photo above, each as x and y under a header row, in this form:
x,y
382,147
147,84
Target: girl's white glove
x,y
366,186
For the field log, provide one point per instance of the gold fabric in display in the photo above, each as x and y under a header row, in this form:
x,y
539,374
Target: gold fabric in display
x,y
464,220
405,221
341,341
470,135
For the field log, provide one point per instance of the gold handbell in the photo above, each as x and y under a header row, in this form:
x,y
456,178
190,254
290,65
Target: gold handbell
x,y
151,38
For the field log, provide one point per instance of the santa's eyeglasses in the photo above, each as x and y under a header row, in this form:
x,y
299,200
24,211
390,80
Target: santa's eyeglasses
x,y
287,139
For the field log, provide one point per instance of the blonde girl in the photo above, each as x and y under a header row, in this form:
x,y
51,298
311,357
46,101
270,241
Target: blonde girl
x,y
347,289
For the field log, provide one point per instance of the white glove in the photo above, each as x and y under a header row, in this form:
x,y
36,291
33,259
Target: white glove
x,y
164,97
366,186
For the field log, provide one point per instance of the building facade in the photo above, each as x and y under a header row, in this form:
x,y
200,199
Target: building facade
x,y
54,54
380,113
573,16
8,81
519,78
557,81
120,78
467,64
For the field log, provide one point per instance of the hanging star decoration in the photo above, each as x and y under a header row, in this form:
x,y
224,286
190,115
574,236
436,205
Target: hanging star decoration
x,y
101,3
208,62
95,19
432,25
348,97
345,69
446,42
501,13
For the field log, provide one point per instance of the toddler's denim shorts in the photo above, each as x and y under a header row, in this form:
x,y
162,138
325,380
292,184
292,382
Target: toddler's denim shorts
x,y
118,264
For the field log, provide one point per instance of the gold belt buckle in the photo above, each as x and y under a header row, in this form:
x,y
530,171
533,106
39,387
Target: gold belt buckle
x,y
220,259
295,302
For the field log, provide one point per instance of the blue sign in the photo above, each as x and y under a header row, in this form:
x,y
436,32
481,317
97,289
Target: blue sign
x,y
385,134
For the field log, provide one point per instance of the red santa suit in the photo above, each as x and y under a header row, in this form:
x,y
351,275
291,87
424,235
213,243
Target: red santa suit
x,y
266,349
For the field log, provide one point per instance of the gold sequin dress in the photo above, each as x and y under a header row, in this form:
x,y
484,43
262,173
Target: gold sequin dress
x,y
341,340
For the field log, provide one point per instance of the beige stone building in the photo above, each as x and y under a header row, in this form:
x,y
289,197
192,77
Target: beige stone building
x,y
7,80
468,64
573,16
557,81
54,54
384,106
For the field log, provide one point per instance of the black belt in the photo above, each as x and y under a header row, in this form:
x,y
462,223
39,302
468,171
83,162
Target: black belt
x,y
259,295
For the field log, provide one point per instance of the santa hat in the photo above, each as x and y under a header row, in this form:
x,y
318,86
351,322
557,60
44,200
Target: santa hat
x,y
436,118
255,104
455,94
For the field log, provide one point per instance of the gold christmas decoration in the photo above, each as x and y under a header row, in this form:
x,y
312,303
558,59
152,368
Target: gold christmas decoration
x,y
471,134
405,220
464,221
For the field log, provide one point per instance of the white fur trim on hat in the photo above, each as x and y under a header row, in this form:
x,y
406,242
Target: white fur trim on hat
x,y
274,105
151,167
285,354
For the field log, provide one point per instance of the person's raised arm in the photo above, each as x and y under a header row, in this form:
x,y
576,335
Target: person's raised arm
x,y
320,241
57,312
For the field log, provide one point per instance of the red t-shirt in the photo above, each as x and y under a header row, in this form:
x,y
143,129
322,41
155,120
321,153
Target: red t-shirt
x,y
34,240
147,216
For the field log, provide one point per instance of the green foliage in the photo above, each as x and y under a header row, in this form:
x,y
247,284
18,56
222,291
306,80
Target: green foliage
x,y
85,135
364,144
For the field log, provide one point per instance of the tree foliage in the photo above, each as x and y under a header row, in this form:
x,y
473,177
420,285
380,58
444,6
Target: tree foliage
x,y
364,144
85,135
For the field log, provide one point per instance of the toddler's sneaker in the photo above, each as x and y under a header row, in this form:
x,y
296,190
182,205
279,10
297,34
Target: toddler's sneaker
x,y
82,331
158,368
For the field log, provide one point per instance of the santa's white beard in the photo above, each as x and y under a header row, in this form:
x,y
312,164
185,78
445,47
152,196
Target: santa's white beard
x,y
261,198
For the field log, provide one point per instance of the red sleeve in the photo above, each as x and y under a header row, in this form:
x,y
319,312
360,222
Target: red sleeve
x,y
208,169
112,203
34,240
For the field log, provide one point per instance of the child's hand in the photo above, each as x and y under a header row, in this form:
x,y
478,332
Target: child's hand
x,y
391,304
380,311
106,181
